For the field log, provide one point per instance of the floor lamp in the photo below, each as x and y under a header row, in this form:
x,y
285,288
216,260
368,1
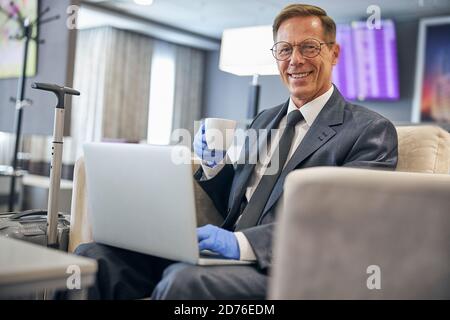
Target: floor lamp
x,y
246,52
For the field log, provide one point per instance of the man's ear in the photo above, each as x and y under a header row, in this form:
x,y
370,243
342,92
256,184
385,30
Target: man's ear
x,y
335,54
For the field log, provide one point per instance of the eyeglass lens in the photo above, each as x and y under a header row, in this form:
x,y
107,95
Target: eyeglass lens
x,y
308,48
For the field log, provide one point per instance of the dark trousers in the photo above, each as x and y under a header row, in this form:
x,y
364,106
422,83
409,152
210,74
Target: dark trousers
x,y
124,274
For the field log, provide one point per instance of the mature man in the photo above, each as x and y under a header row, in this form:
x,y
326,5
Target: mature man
x,y
317,127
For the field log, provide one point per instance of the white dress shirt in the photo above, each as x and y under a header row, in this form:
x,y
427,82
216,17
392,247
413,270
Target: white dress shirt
x,y
310,111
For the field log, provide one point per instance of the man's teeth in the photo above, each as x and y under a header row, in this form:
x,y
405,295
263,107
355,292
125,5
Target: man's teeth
x,y
299,75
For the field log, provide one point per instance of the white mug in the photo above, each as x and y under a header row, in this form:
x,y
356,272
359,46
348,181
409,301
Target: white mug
x,y
219,133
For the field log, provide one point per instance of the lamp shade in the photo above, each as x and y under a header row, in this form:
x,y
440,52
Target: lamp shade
x,y
246,51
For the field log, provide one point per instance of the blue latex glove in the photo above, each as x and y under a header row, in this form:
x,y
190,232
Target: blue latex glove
x,y
219,241
210,157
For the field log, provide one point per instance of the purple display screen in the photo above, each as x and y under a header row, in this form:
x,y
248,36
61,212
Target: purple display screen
x,y
367,67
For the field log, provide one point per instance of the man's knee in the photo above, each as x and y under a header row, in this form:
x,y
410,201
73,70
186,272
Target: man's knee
x,y
181,281
90,250
98,251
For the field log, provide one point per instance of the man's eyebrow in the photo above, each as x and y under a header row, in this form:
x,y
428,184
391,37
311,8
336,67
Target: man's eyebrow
x,y
298,42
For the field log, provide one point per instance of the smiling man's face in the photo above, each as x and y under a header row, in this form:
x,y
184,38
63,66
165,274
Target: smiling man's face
x,y
306,78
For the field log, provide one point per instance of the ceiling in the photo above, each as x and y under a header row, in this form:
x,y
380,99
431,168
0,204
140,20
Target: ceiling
x,y
210,17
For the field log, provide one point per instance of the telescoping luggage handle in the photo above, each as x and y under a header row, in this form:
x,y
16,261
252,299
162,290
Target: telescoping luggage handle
x,y
56,162
31,214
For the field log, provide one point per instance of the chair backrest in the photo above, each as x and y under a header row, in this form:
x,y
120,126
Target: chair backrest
x,y
424,148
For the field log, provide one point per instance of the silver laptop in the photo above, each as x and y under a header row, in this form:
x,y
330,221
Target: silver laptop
x,y
141,198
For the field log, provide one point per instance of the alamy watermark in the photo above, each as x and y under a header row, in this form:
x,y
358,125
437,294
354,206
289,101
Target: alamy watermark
x,y
73,281
374,280
374,20
251,146
72,16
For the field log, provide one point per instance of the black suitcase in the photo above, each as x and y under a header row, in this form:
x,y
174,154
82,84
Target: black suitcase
x,y
31,226
45,227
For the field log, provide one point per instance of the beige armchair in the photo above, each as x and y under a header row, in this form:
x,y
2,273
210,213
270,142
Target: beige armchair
x,y
424,150
341,230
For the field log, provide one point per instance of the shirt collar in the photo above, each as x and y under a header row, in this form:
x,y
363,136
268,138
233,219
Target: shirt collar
x,y
311,110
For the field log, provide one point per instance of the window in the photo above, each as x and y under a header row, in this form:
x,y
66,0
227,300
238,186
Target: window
x,y
162,89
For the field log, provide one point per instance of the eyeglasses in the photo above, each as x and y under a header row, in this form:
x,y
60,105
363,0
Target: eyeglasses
x,y
309,48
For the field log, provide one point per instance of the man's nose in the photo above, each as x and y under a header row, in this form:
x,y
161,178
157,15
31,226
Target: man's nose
x,y
297,57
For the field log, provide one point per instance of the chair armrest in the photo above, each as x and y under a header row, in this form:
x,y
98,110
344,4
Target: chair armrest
x,y
336,222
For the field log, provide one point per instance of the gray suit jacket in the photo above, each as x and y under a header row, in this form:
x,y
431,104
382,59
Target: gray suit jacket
x,y
343,134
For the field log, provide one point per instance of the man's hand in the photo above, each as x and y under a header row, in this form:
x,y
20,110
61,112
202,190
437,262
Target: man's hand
x,y
219,241
210,157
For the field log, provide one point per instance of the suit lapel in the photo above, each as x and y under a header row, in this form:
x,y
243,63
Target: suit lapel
x,y
320,132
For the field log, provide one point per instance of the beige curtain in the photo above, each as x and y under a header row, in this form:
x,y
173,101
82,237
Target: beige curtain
x,y
7,141
189,70
112,72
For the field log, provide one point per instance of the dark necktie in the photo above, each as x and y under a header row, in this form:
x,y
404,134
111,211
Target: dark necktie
x,y
255,206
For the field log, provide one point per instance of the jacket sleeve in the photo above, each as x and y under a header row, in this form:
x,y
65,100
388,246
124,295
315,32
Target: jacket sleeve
x,y
376,147
260,239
